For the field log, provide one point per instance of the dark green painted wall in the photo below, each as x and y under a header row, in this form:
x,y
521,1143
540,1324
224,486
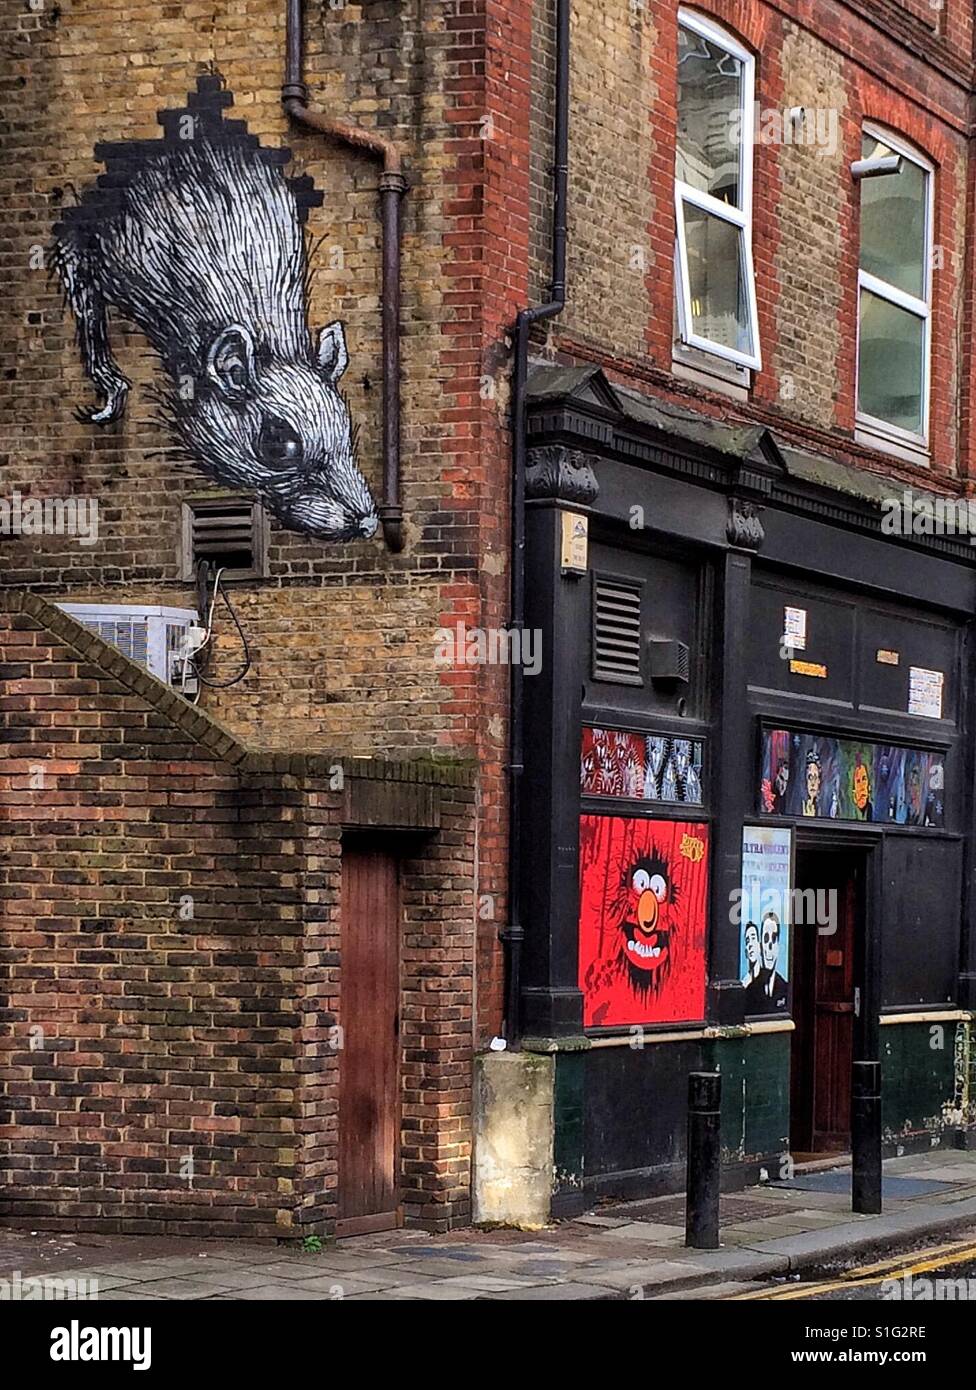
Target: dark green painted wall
x,y
918,1078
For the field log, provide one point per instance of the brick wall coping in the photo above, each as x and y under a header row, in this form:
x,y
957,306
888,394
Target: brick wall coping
x,y
209,733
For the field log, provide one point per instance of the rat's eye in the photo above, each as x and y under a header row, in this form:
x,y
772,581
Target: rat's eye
x,y
278,444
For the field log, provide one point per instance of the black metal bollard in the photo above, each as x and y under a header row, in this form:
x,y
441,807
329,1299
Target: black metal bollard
x,y
866,1138
704,1159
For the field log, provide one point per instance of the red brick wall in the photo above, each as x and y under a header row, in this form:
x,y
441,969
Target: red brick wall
x,y
171,965
877,61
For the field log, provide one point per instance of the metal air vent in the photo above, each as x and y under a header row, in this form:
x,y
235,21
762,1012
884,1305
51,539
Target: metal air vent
x,y
617,631
228,532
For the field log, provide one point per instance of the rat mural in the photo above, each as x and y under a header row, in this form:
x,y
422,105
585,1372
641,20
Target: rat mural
x,y
198,238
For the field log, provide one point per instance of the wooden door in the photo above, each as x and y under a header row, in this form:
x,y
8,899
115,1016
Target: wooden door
x,y
833,1022
823,1008
369,1111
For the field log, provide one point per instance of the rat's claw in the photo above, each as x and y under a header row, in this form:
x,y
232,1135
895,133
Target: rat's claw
x,y
111,410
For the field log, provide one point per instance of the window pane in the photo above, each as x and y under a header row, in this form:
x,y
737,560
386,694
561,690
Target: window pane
x,y
716,279
893,223
890,363
709,98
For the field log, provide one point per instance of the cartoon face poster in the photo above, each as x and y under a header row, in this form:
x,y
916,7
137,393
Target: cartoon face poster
x,y
643,920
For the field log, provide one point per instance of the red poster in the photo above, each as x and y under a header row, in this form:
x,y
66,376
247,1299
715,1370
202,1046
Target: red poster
x,y
643,916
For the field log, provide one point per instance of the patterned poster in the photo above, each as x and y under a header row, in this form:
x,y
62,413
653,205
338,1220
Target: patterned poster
x,y
847,779
641,767
643,920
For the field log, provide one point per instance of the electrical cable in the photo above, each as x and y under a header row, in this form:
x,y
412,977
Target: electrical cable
x,y
223,685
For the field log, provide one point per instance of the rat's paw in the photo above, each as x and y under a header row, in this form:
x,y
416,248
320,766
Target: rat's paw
x,y
113,408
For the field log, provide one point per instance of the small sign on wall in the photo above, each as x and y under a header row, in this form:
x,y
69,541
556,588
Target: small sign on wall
x,y
574,547
925,692
795,629
809,668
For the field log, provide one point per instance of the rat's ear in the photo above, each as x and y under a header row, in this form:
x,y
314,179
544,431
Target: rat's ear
x,y
333,354
230,362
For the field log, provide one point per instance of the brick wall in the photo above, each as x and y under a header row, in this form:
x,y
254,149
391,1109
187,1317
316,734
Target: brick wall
x,y
878,61
342,637
171,963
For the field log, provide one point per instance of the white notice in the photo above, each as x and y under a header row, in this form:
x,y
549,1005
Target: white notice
x,y
795,628
925,692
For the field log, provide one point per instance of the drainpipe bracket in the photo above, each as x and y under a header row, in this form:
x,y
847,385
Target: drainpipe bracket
x,y
392,182
294,91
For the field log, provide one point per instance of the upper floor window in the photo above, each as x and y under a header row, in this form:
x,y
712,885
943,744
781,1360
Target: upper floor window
x,y
894,290
716,290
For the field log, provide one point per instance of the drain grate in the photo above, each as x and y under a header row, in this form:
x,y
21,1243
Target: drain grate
x,y
670,1211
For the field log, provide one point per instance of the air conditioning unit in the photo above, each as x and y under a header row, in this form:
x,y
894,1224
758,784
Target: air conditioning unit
x,y
154,637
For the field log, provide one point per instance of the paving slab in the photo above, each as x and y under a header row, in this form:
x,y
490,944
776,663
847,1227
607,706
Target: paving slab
x,y
230,1280
130,1295
607,1221
709,1292
178,1288
651,1232
436,1289
280,1293
281,1271
554,1293
341,1286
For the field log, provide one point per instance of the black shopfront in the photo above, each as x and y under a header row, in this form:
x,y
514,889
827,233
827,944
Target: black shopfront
x,y
747,794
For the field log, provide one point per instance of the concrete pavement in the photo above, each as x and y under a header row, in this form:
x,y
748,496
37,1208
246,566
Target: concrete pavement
x,y
620,1251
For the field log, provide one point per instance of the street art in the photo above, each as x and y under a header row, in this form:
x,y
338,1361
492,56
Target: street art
x,y
641,767
198,239
845,779
767,859
643,916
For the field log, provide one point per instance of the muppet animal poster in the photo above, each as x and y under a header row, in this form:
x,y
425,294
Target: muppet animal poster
x,y
643,915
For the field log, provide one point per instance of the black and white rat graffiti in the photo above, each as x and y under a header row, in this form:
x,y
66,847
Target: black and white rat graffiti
x,y
198,239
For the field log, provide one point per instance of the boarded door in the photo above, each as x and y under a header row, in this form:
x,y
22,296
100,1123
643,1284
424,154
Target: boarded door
x,y
368,1086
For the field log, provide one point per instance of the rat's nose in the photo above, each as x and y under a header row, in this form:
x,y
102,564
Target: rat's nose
x,y
368,525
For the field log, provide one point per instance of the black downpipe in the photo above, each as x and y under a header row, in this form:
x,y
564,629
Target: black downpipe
x,y
514,933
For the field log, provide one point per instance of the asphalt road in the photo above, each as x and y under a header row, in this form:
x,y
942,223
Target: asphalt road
x,y
961,1276
941,1273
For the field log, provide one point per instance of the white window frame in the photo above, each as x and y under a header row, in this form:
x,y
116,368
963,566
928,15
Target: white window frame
x,y
883,430
738,217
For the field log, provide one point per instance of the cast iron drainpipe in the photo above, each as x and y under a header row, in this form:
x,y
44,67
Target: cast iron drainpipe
x,y
393,185
514,933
